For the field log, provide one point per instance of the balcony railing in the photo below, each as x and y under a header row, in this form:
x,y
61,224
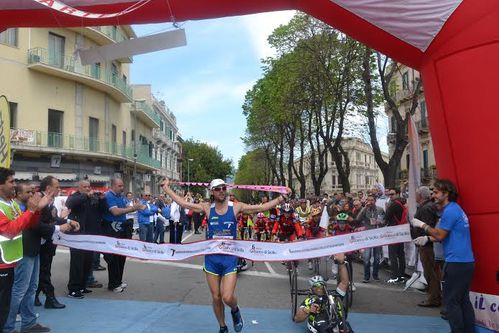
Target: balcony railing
x,y
72,65
111,32
80,144
146,114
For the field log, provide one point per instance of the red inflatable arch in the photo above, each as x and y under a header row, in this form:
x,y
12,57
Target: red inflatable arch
x,y
453,43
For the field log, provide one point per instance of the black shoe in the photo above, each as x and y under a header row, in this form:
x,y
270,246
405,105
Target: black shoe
x,y
85,291
37,301
76,294
52,303
223,330
99,268
237,320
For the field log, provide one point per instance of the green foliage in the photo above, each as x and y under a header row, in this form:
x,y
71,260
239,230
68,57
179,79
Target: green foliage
x,y
207,163
252,170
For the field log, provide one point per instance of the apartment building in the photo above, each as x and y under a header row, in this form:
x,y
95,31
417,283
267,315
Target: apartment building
x,y
403,87
73,121
364,172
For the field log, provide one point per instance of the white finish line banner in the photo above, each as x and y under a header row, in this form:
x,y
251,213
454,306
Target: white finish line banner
x,y
486,308
252,250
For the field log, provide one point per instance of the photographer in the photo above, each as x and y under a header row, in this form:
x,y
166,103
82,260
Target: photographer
x,y
86,207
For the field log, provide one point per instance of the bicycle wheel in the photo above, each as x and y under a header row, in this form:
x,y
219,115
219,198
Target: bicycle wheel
x,y
348,300
294,290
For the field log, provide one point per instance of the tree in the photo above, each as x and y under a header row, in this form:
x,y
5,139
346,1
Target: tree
x,y
252,170
383,81
207,162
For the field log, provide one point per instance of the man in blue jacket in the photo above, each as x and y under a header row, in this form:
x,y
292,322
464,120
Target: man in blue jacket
x,y
146,218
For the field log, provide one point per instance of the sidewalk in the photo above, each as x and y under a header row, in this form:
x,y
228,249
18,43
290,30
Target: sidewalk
x,y
110,316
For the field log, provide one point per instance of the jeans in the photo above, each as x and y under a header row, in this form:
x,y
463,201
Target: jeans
x,y
375,253
456,284
6,283
146,232
23,293
159,232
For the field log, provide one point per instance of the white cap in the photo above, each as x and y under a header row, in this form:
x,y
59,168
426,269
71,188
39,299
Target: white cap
x,y
215,183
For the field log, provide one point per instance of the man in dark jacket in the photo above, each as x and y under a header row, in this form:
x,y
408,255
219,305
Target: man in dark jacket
x,y
393,217
427,212
48,220
86,207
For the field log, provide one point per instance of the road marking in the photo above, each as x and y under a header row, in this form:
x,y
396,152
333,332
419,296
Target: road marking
x,y
187,237
271,270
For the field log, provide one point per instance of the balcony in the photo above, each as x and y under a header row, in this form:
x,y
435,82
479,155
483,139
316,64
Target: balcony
x,y
145,114
37,141
104,35
69,68
422,126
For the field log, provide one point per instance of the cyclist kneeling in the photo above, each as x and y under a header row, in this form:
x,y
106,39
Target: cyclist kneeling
x,y
316,309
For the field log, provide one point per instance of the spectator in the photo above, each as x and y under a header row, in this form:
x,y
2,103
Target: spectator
x,y
18,285
393,217
163,216
146,218
86,207
112,226
197,218
454,232
176,227
130,217
426,211
48,219
371,217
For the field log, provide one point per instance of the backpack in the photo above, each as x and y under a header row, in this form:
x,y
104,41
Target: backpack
x,y
405,214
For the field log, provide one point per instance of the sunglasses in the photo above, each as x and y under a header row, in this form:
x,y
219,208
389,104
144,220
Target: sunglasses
x,y
218,189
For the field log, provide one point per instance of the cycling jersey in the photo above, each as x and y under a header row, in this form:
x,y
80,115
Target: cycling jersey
x,y
288,228
313,229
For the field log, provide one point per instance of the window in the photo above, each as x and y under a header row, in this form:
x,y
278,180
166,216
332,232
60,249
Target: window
x,y
334,180
9,37
161,125
425,161
93,134
123,138
407,161
405,80
56,50
54,138
114,139
424,117
367,181
95,70
133,136
13,114
114,73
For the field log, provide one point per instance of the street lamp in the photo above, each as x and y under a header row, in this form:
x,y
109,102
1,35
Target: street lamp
x,y
189,174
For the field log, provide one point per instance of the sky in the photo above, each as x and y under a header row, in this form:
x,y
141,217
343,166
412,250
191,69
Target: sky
x,y
204,83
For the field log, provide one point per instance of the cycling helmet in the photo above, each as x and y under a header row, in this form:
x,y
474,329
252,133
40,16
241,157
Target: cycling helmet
x,y
342,217
260,215
316,211
316,280
287,208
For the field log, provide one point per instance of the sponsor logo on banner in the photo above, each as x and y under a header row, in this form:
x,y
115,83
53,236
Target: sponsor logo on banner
x,y
259,250
123,246
4,132
486,310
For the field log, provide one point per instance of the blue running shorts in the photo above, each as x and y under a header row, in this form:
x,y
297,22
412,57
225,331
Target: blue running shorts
x,y
220,264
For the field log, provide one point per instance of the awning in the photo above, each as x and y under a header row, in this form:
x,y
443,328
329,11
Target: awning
x,y
20,175
98,178
59,176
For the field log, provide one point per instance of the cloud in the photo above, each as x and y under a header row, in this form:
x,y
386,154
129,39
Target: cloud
x,y
261,26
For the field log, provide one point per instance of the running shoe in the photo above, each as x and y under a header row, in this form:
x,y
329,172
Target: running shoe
x,y
76,294
223,330
237,319
393,281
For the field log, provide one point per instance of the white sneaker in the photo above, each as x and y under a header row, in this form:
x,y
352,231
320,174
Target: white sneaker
x,y
118,289
124,285
354,288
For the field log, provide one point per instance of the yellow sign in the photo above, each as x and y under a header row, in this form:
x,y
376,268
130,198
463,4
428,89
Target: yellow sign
x,y
4,132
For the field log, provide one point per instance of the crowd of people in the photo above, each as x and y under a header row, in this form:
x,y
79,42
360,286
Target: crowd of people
x,y
28,219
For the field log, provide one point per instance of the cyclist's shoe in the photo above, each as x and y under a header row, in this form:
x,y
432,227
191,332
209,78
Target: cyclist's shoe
x,y
223,330
237,319
393,281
